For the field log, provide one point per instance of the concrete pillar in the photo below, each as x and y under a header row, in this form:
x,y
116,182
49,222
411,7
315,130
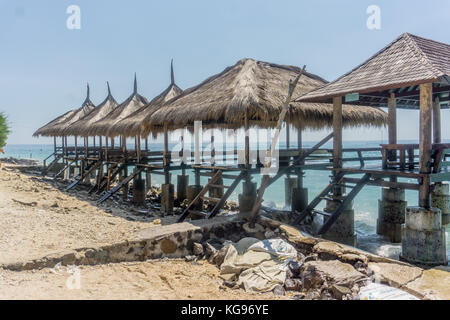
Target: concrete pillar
x,y
191,193
289,184
391,214
139,191
182,183
299,199
148,180
343,230
440,199
247,199
216,192
167,198
423,237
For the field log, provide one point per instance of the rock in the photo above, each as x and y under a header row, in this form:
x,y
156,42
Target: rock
x,y
433,284
168,246
197,249
230,283
313,257
312,279
299,296
157,221
279,290
294,267
312,295
219,256
395,275
210,250
256,229
269,234
293,284
335,271
55,205
190,258
339,291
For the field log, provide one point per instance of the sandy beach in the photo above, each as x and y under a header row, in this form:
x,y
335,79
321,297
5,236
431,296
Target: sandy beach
x,y
38,219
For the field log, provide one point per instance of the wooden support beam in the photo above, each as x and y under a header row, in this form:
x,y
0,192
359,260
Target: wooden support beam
x,y
437,138
197,132
337,140
138,148
425,145
247,142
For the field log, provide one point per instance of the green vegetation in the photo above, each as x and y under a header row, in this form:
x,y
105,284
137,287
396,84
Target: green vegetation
x,y
4,130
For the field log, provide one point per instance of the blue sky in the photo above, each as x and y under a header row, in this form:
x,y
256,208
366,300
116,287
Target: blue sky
x,y
44,66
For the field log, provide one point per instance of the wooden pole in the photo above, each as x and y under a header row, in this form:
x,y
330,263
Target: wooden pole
x,y
197,131
54,144
138,148
268,163
166,154
337,140
76,147
213,148
425,144
247,142
437,138
392,128
288,136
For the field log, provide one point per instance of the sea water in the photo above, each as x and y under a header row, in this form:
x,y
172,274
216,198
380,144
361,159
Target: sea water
x,y
365,204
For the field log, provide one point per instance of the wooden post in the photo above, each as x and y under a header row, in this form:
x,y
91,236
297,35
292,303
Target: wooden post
x,y
86,147
288,136
54,144
138,148
124,144
106,148
392,129
213,148
247,142
146,144
437,138
76,147
426,107
100,146
197,132
300,153
166,155
337,139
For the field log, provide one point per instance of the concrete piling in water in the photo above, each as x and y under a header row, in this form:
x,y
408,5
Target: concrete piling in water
x,y
440,198
191,193
391,214
247,199
423,237
216,192
289,184
139,191
182,183
148,180
299,199
343,230
167,198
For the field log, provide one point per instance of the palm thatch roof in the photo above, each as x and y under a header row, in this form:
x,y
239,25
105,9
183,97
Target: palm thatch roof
x,y
80,127
45,130
57,129
259,90
132,125
133,103
408,61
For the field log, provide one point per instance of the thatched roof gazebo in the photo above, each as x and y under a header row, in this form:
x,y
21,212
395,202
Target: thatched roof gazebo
x,y
57,130
132,125
45,130
254,91
133,103
80,127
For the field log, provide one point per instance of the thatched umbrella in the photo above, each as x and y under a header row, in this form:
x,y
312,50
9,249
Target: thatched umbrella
x,y
80,127
57,130
255,91
132,125
133,103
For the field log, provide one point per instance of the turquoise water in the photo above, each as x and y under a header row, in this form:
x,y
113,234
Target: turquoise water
x,y
365,205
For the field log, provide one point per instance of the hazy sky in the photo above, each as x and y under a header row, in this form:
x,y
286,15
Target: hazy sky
x,y
44,66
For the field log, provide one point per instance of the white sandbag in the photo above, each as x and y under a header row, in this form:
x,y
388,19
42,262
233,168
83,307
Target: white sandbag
x,y
377,291
264,277
277,247
235,263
